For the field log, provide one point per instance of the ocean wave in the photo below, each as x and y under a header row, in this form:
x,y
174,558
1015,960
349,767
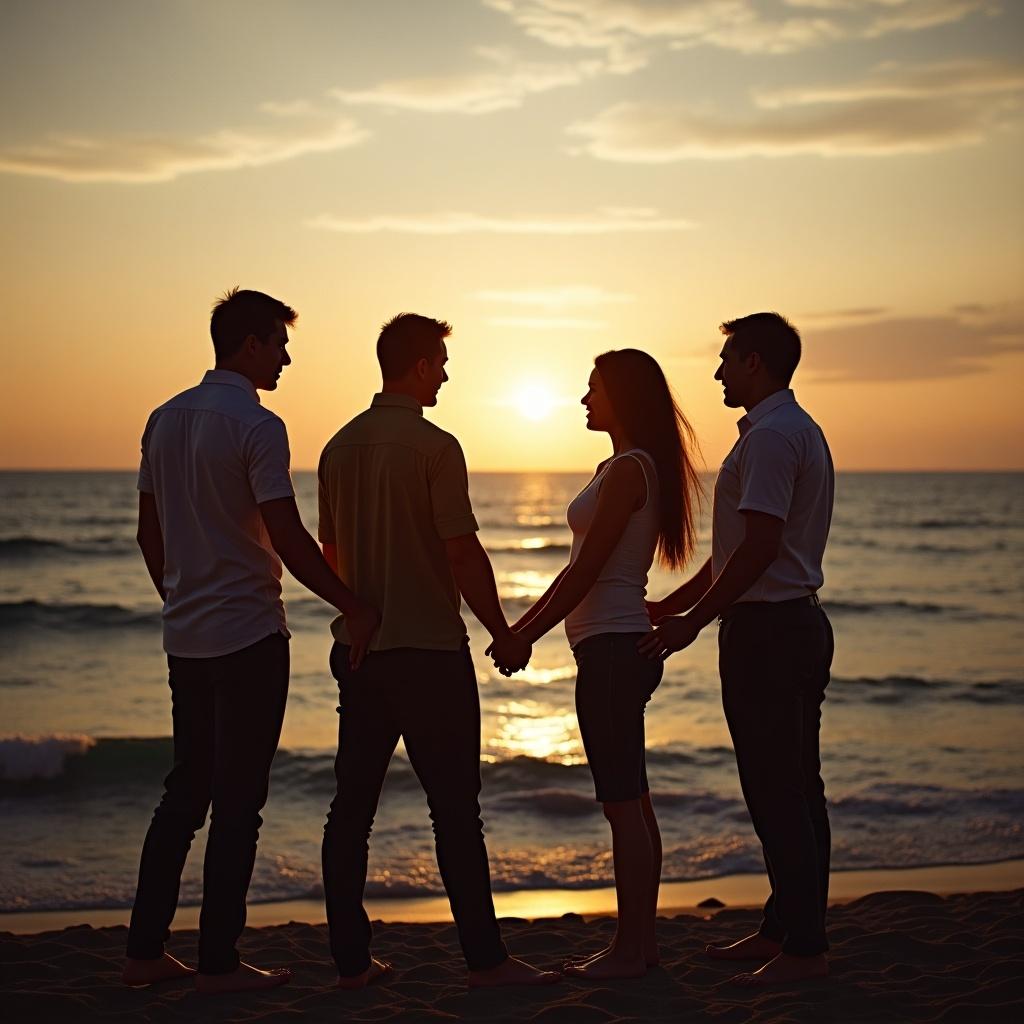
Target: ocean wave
x,y
25,758
853,607
26,548
903,689
72,616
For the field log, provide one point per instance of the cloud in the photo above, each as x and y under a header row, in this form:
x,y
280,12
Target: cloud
x,y
628,30
891,110
957,78
909,348
547,323
608,220
563,297
293,131
862,313
504,87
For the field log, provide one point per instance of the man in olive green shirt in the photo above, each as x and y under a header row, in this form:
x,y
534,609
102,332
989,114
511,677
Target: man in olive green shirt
x,y
397,524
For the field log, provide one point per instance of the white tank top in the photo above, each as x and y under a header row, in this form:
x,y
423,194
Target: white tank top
x,y
615,603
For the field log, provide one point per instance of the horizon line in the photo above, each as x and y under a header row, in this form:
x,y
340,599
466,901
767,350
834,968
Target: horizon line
x,y
520,472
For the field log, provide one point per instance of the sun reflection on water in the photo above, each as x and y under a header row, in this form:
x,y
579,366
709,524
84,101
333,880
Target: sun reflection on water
x,y
531,729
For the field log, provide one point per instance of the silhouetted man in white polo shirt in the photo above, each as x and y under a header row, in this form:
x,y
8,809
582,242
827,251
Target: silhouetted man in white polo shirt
x,y
773,508
217,516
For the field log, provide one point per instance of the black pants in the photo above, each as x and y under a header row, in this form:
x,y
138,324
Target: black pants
x,y
774,662
227,721
614,683
430,699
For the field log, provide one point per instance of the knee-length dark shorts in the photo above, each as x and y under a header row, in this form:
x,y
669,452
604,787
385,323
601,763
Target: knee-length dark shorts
x,y
614,682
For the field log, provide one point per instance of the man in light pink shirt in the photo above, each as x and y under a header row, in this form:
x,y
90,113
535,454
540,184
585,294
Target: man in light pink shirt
x,y
217,516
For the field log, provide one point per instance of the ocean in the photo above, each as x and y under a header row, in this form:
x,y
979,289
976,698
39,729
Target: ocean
x,y
921,737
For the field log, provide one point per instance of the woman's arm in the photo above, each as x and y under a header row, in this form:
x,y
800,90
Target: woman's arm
x,y
622,492
531,613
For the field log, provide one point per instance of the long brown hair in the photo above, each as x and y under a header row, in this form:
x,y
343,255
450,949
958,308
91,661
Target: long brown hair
x,y
647,411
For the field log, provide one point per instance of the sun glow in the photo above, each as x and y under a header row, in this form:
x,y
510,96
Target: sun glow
x,y
534,401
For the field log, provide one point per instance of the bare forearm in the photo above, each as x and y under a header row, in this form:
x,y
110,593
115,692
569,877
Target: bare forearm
x,y
686,596
744,568
569,591
534,610
152,547
475,579
305,562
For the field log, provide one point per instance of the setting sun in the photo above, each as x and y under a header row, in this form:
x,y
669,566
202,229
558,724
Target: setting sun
x,y
535,401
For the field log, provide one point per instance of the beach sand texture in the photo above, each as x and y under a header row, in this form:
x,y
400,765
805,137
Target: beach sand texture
x,y
896,956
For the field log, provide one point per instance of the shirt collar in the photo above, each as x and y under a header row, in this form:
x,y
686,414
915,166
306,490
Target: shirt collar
x,y
765,406
397,401
236,380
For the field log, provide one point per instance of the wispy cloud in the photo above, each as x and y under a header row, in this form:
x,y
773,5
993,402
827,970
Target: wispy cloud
x,y
292,130
892,110
547,323
561,297
910,348
503,85
608,220
833,315
628,30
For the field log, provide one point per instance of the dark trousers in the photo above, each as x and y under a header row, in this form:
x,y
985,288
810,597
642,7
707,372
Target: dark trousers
x,y
227,715
774,662
430,699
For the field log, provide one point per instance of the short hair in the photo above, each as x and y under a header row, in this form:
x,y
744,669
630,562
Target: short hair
x,y
405,340
239,313
772,337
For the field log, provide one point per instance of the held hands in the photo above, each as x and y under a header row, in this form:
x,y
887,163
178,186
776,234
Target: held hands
x,y
674,633
510,652
361,624
655,611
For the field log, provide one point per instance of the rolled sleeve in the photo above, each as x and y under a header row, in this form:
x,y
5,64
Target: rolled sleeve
x,y
449,493
768,471
267,461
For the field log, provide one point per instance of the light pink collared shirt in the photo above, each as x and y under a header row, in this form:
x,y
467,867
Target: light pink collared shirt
x,y
780,465
210,457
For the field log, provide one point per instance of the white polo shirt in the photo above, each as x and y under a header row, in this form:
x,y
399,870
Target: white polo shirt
x,y
210,456
780,465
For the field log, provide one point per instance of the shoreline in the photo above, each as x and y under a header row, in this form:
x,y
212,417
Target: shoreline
x,y
734,891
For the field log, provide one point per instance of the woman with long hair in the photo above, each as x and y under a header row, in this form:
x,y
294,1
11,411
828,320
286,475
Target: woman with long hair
x,y
641,501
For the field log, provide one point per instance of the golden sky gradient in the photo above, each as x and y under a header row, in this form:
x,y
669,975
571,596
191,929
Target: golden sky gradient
x,y
555,177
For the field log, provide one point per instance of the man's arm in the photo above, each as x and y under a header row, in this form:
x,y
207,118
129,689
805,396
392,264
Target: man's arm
x,y
151,540
300,554
758,549
684,597
475,579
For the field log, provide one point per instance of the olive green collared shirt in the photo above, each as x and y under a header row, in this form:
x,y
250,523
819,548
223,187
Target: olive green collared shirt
x,y
393,487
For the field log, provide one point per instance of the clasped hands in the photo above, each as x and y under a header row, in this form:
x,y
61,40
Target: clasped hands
x,y
510,652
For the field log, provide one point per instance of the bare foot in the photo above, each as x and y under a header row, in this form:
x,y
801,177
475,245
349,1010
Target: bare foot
x,y
652,957
148,972
608,965
512,972
244,978
377,971
753,947
785,969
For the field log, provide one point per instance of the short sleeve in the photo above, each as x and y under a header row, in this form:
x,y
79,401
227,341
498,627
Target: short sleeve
x,y
768,467
267,460
145,481
325,528
448,480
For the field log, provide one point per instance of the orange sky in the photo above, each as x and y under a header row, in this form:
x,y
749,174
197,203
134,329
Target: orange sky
x,y
556,179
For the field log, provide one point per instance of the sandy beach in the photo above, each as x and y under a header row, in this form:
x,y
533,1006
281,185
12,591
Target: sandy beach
x,y
896,956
